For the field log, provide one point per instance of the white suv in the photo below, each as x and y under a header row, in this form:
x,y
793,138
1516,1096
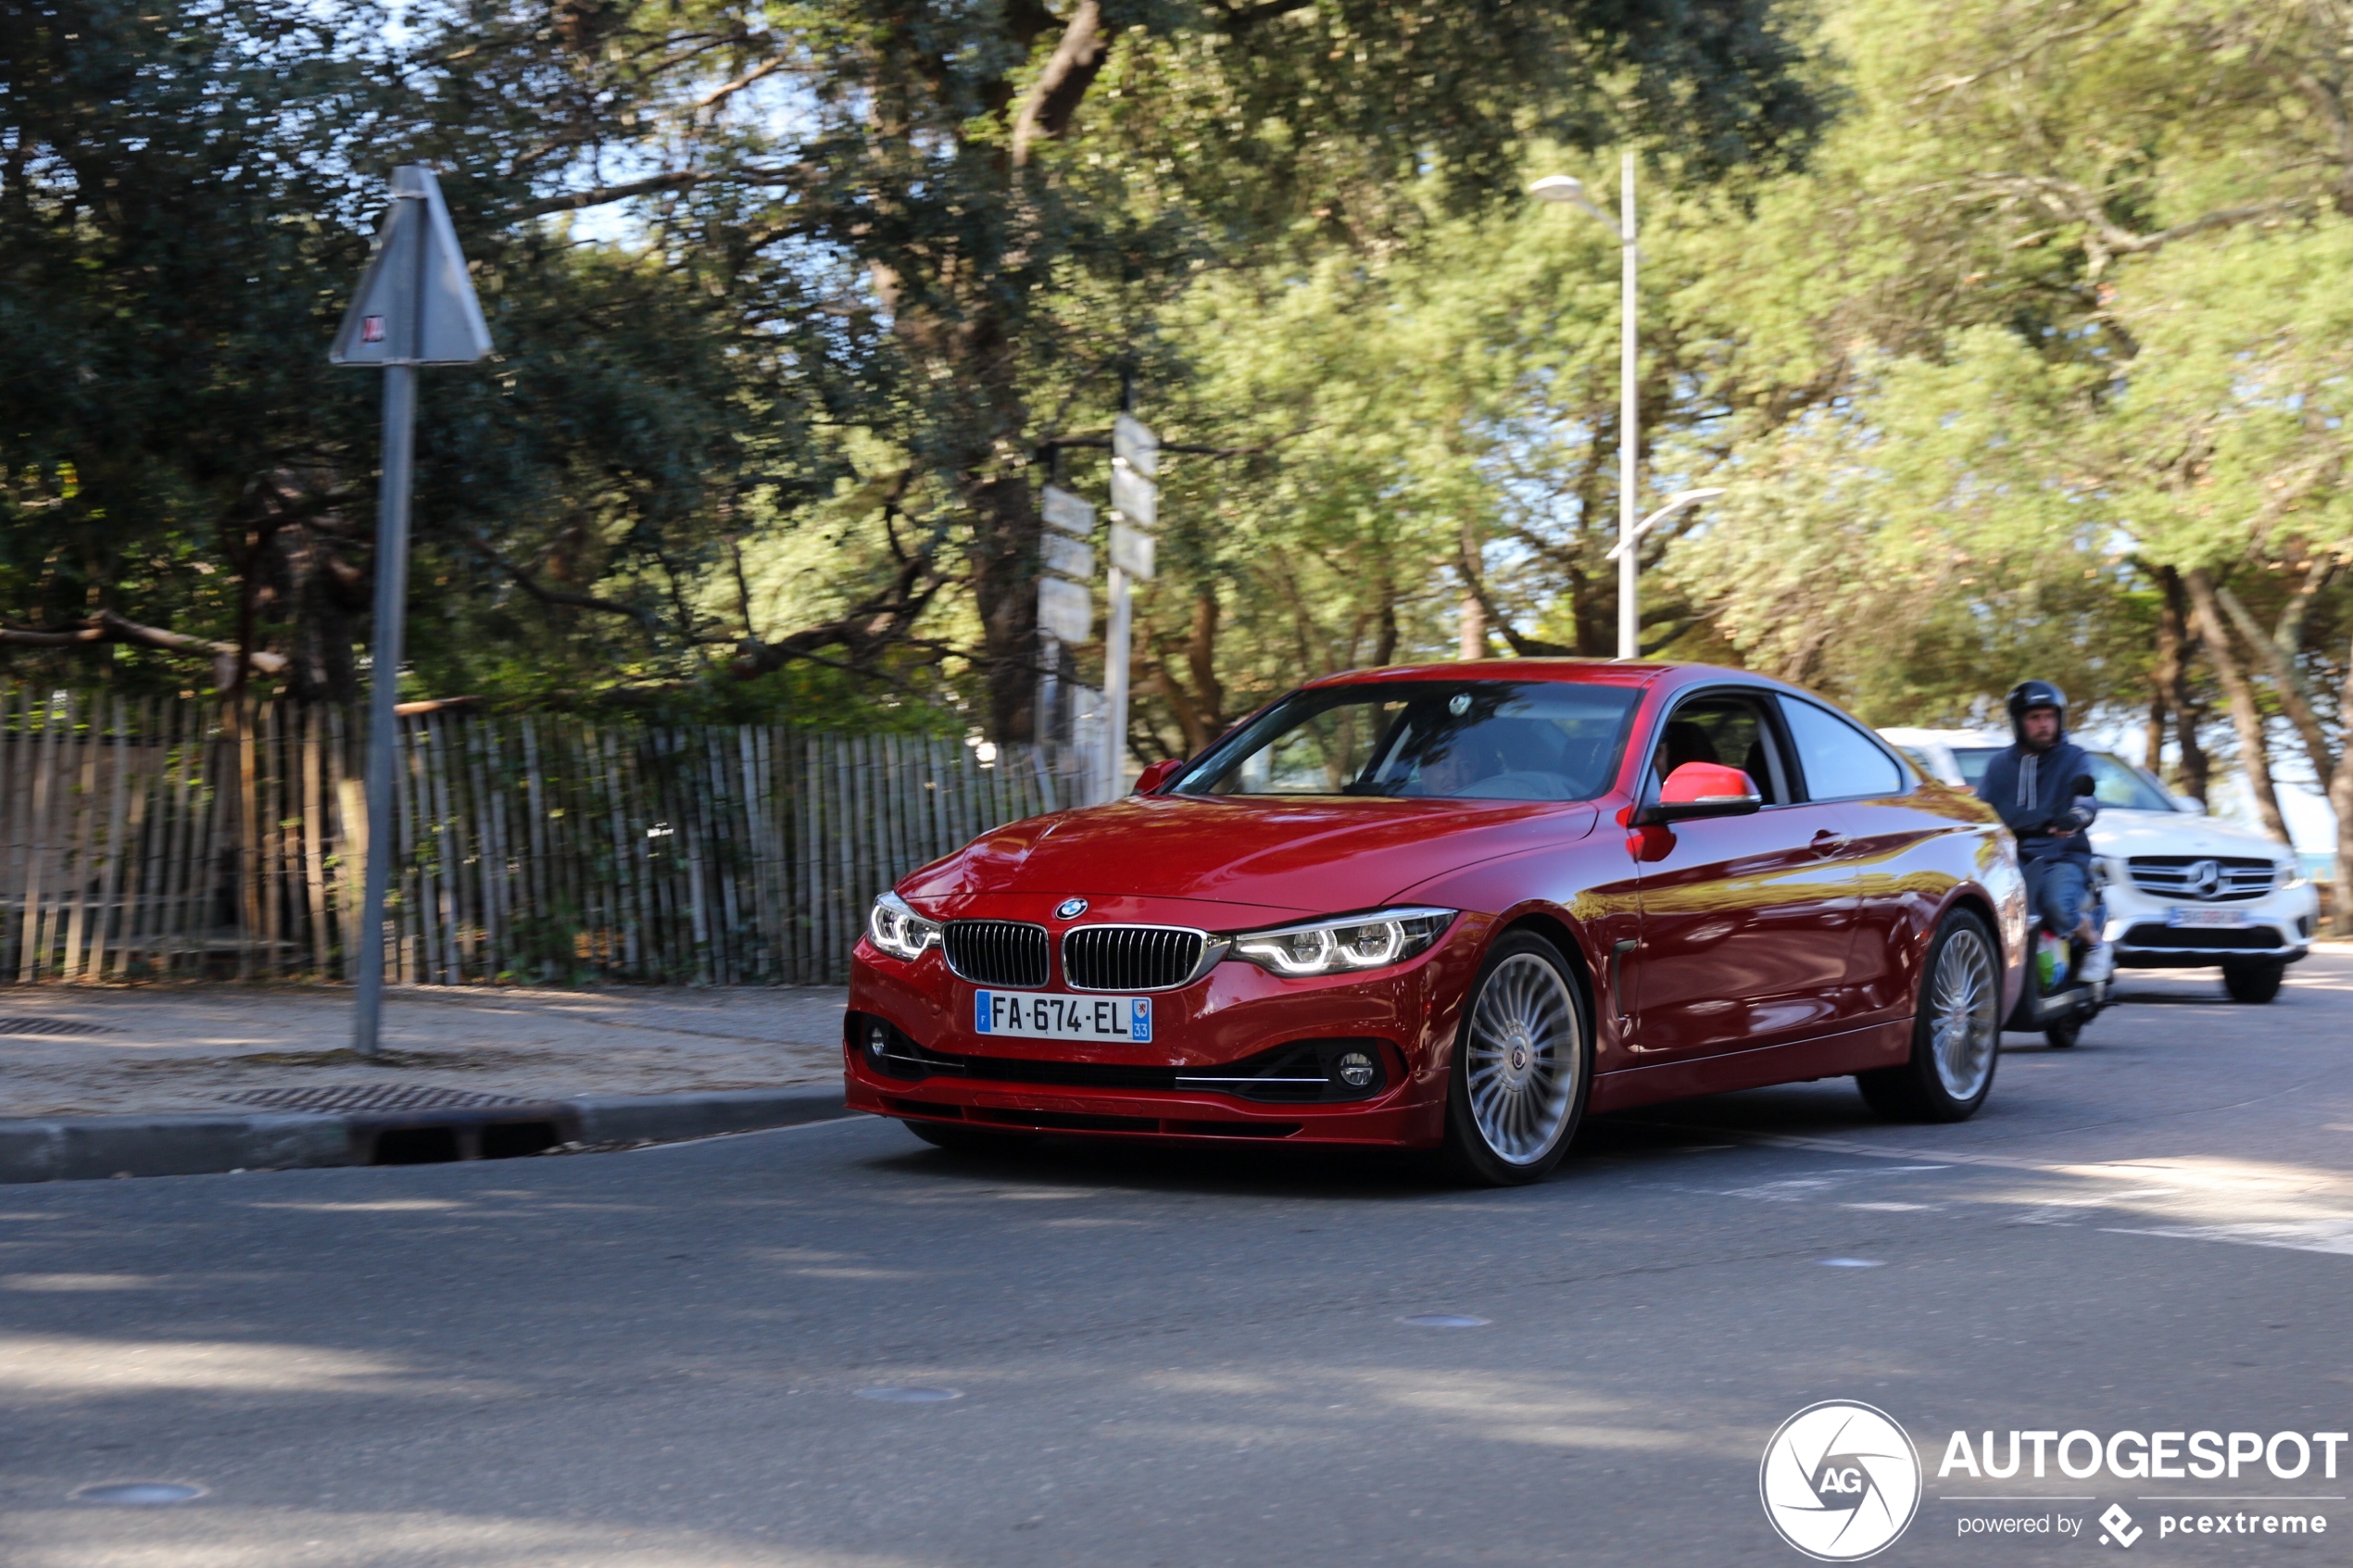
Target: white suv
x,y
2183,890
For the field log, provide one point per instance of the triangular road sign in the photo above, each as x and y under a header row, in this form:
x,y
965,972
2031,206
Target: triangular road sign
x,y
416,306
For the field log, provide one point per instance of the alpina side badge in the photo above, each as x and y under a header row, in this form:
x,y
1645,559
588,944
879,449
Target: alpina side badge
x,y
1070,909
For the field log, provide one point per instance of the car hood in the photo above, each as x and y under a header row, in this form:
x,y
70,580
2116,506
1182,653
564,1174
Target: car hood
x,y
2119,832
1289,857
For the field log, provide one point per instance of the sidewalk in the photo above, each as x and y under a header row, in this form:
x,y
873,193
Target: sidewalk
x,y
185,1049
180,1079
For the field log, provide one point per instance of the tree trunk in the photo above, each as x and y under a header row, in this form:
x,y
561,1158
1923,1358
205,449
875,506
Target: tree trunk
x,y
2295,700
1005,579
2341,802
2246,716
1201,655
2174,642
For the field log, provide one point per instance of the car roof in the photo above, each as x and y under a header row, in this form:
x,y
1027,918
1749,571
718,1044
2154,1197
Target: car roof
x,y
1579,671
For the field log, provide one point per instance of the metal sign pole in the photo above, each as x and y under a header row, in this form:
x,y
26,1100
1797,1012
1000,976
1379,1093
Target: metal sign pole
x,y
392,600
1115,686
416,306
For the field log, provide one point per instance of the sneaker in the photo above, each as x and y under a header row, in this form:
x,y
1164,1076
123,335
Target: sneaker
x,y
2098,964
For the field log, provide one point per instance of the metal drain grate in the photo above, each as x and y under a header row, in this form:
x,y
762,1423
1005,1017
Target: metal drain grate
x,y
371,1096
53,1026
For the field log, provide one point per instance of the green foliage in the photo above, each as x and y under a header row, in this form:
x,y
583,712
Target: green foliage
x,y
790,301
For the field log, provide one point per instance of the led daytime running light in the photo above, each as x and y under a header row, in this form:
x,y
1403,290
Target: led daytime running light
x,y
898,930
1344,945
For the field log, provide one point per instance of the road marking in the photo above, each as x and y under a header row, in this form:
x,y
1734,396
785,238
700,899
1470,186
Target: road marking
x,y
2333,1235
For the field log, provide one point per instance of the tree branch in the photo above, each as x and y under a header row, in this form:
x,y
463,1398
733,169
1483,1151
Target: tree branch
x,y
567,600
107,627
728,89
677,180
1054,97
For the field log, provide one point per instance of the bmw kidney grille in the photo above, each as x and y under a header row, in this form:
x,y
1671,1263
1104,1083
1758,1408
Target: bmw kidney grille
x,y
1132,957
997,952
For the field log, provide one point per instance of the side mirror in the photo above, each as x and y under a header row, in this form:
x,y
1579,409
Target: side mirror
x,y
1701,789
2189,803
2084,784
1159,773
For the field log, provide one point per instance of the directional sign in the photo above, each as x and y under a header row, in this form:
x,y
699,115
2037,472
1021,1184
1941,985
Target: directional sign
x,y
1132,440
1067,513
1065,609
1133,497
1074,558
415,305
1131,551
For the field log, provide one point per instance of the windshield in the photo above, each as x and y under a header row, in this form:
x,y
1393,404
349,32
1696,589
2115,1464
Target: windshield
x,y
1456,740
2114,782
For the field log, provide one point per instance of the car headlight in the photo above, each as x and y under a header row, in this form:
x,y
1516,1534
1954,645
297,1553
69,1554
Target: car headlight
x,y
1343,943
898,929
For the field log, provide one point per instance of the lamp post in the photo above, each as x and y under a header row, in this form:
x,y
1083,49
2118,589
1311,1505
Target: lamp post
x,y
1624,549
1568,189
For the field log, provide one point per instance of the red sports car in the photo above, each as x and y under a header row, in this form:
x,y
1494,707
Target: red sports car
x,y
1455,906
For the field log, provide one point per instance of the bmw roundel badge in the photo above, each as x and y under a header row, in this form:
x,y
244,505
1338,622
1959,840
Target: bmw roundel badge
x,y
1070,909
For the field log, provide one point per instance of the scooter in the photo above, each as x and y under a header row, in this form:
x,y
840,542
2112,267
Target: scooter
x,y
2057,998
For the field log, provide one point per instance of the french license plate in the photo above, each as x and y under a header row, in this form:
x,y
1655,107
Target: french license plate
x,y
1049,1015
2208,919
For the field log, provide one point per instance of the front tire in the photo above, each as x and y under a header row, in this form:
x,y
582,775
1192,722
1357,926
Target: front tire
x,y
1955,1031
1523,1066
2258,982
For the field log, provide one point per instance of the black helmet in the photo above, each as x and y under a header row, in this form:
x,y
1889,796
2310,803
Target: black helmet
x,y
2029,695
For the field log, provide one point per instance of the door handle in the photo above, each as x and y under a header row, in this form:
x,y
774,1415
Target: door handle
x,y
1829,842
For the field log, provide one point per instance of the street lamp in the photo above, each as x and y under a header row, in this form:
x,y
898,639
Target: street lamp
x,y
1570,190
1624,549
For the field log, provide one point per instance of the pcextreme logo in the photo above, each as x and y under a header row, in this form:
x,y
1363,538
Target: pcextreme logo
x,y
1841,1481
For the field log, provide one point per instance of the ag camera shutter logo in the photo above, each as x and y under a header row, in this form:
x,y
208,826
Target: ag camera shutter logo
x,y
1839,1481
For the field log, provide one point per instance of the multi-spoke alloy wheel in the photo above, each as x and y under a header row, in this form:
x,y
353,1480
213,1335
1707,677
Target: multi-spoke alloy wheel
x,y
1522,1065
1956,1031
1965,999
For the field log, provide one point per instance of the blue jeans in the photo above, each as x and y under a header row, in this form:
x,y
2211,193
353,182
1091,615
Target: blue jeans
x,y
2061,889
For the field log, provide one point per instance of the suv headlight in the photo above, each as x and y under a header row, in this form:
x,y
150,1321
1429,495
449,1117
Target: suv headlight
x,y
898,929
1344,943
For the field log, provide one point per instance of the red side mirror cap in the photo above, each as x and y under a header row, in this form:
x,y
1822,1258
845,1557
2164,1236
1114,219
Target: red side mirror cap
x,y
1703,789
1159,773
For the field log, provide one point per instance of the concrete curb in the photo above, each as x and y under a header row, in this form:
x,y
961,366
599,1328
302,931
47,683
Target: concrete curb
x,y
82,1149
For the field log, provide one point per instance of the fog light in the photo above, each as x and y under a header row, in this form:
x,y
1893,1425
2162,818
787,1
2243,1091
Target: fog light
x,y
1355,1070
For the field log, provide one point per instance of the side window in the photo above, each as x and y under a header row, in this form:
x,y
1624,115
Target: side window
x,y
1840,761
1727,728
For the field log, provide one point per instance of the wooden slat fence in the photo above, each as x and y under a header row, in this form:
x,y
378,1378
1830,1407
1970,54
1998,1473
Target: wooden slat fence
x,y
195,838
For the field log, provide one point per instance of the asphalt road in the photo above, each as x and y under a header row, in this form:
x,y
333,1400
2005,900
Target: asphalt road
x,y
665,1357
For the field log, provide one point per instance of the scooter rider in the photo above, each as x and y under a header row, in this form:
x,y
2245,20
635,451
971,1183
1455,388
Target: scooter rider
x,y
2032,785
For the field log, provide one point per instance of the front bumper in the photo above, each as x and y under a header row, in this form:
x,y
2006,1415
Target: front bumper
x,y
1237,1024
2279,928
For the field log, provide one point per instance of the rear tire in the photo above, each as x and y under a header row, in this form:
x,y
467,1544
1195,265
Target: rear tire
x,y
2258,982
2062,1036
1956,1031
1523,1066
972,1141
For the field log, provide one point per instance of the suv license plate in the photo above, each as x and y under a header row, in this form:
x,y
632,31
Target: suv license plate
x,y
1050,1015
2208,919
